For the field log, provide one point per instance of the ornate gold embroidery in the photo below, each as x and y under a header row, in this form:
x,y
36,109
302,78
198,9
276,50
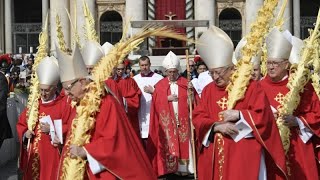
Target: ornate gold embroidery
x,y
170,151
222,103
35,161
36,158
184,131
279,98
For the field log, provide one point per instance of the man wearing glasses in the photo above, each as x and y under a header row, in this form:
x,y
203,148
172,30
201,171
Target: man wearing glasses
x,y
131,94
232,142
113,152
284,49
41,160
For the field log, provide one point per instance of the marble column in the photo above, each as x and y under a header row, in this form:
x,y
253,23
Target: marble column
x,y
8,26
251,11
1,27
205,10
59,7
134,11
296,18
77,16
45,8
287,16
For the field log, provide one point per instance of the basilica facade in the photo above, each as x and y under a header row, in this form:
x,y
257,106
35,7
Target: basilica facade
x,y
21,21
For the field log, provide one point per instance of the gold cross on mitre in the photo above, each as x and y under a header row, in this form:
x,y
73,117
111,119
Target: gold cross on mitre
x,y
170,15
222,103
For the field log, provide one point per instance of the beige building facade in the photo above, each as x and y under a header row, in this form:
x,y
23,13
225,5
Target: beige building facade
x,y
19,27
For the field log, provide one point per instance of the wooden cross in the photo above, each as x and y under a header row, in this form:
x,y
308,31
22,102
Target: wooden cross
x,y
170,15
222,103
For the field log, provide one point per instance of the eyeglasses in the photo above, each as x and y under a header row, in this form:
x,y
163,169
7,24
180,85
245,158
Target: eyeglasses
x,y
70,86
47,91
221,73
274,63
120,69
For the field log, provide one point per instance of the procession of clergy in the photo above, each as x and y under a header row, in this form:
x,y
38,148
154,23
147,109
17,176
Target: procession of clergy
x,y
142,126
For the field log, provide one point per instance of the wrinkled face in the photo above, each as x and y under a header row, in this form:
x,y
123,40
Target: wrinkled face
x,y
201,68
75,89
89,69
120,70
221,75
192,66
256,73
144,66
172,74
47,92
277,68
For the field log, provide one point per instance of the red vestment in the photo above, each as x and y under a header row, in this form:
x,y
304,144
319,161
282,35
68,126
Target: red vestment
x,y
41,162
168,143
112,85
114,144
241,160
131,92
301,156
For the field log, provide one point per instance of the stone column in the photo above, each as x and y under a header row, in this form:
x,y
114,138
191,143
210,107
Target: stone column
x,y
134,11
1,27
207,12
45,8
296,18
251,12
8,26
77,16
287,16
59,7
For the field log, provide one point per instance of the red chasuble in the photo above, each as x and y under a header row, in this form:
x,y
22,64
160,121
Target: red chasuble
x,y
131,92
112,85
114,144
41,162
301,156
168,142
227,159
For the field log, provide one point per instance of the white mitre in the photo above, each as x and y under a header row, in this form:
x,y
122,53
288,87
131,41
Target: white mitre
x,y
71,67
215,48
278,44
48,71
106,47
171,61
255,60
297,46
91,53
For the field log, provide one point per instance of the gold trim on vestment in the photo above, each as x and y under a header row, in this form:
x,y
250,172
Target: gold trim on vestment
x,y
264,145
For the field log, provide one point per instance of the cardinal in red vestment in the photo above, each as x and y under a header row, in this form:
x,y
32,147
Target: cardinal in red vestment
x,y
114,151
41,160
239,143
305,122
169,131
131,95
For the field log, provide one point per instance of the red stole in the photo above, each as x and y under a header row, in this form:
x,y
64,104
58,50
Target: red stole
x,y
301,156
114,144
168,143
241,160
131,92
43,159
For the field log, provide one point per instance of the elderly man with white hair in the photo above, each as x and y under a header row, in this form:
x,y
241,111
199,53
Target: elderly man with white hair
x,y
169,134
238,143
42,159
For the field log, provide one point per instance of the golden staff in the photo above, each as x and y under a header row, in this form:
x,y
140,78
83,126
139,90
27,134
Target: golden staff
x,y
190,93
